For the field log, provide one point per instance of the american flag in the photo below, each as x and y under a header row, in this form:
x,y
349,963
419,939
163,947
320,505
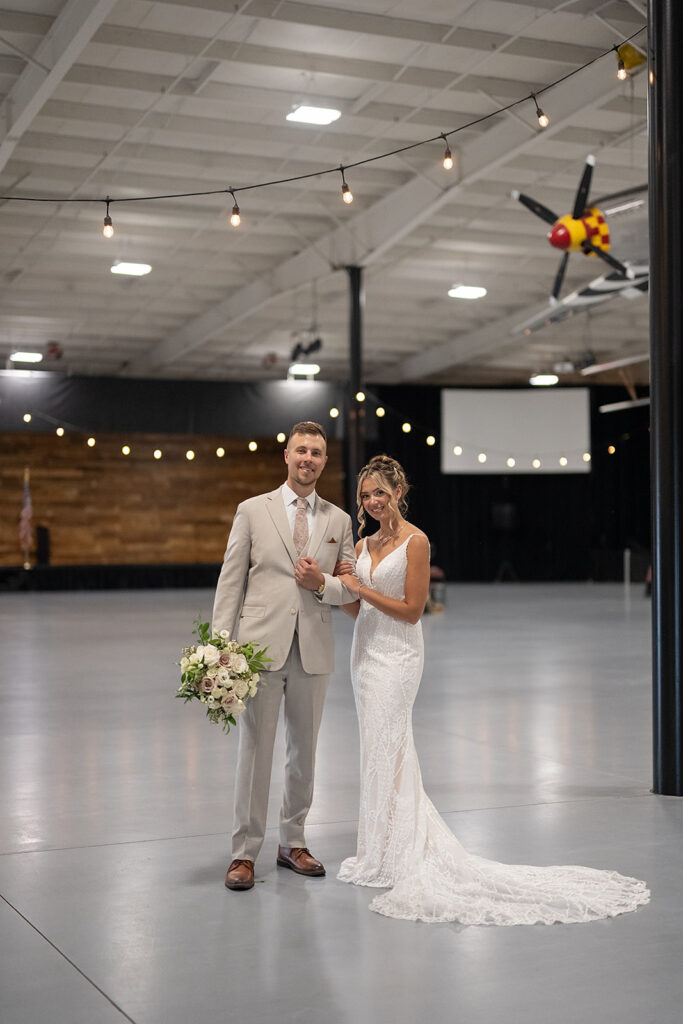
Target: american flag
x,y
25,534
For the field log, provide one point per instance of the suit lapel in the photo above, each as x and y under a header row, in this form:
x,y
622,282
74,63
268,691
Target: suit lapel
x,y
320,521
276,509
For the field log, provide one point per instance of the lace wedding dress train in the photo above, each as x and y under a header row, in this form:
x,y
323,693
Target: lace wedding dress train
x,y
403,843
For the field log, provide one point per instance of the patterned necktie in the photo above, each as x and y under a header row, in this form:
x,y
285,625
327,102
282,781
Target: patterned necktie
x,y
300,534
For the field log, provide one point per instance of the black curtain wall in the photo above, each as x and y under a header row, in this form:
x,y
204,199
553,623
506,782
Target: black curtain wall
x,y
526,527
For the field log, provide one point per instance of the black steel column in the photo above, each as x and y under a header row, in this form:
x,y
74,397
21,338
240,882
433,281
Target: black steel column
x,y
665,94
355,411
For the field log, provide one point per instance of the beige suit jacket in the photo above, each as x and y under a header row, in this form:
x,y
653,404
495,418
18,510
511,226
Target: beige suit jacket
x,y
257,597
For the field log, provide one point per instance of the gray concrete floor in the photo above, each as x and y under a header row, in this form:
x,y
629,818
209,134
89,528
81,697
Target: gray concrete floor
x,y
533,727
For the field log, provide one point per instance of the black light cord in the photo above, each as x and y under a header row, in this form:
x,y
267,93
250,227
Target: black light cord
x,y
442,136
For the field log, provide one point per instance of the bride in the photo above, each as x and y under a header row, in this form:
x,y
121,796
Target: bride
x,y
403,843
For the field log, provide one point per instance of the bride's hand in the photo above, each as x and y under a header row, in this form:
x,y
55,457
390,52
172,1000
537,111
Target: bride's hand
x,y
343,568
351,582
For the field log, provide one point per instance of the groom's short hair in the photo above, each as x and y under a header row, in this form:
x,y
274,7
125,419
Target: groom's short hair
x,y
307,427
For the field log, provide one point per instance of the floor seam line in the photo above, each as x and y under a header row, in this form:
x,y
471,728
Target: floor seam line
x,y
61,953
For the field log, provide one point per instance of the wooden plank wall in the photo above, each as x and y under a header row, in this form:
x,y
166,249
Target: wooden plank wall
x,y
104,508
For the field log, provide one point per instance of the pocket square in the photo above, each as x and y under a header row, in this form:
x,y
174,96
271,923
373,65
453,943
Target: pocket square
x,y
333,540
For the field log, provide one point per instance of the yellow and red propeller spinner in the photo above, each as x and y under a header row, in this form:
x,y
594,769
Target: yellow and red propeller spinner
x,y
569,234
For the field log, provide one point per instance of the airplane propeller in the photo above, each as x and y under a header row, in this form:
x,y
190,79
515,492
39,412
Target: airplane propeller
x,y
584,230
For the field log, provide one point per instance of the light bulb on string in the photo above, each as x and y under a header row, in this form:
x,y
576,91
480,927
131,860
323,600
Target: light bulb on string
x,y
622,73
27,417
347,194
235,218
91,442
406,428
189,454
125,449
360,396
457,450
220,452
334,412
543,119
448,156
563,460
59,431
108,229
481,457
510,463
281,437
380,411
431,440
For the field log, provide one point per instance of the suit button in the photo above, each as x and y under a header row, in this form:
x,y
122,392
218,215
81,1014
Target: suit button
x,y
292,611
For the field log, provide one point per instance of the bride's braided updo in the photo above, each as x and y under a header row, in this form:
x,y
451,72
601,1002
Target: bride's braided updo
x,y
391,476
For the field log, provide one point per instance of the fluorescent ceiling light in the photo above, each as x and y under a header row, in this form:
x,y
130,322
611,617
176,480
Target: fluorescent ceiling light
x,y
314,115
543,380
26,357
466,291
303,369
132,269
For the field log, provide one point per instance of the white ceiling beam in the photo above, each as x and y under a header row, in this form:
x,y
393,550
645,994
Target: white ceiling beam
x,y
371,233
65,40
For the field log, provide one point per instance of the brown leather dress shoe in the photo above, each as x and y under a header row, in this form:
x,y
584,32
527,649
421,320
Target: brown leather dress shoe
x,y
298,859
240,875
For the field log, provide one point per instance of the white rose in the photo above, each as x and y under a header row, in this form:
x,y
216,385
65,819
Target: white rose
x,y
195,658
237,708
253,690
210,654
241,688
238,663
224,634
217,692
223,676
184,664
255,678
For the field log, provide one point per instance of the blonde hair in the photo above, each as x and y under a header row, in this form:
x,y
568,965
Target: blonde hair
x,y
391,476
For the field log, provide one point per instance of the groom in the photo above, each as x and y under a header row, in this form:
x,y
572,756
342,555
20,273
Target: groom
x,y
275,588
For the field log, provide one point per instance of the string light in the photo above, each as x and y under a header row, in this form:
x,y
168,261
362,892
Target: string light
x,y
543,119
158,453
563,460
536,463
59,431
457,450
431,440
27,417
406,428
347,194
108,229
281,437
510,463
189,455
220,452
586,456
622,73
334,412
253,446
611,450
481,457
125,450
235,215
380,411
91,442
360,396
448,156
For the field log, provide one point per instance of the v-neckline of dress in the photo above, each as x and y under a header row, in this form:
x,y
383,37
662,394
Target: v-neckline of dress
x,y
374,569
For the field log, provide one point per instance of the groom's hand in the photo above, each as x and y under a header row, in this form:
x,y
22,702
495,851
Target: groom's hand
x,y
307,573
341,568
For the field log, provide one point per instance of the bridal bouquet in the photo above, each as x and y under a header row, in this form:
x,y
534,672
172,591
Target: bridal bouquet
x,y
221,673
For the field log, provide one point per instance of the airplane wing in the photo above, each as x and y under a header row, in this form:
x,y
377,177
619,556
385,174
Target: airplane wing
x,y
602,289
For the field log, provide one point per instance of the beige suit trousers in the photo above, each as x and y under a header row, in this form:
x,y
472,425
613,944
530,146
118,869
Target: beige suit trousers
x,y
304,696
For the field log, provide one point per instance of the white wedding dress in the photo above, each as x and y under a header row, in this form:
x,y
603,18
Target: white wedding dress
x,y
403,843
